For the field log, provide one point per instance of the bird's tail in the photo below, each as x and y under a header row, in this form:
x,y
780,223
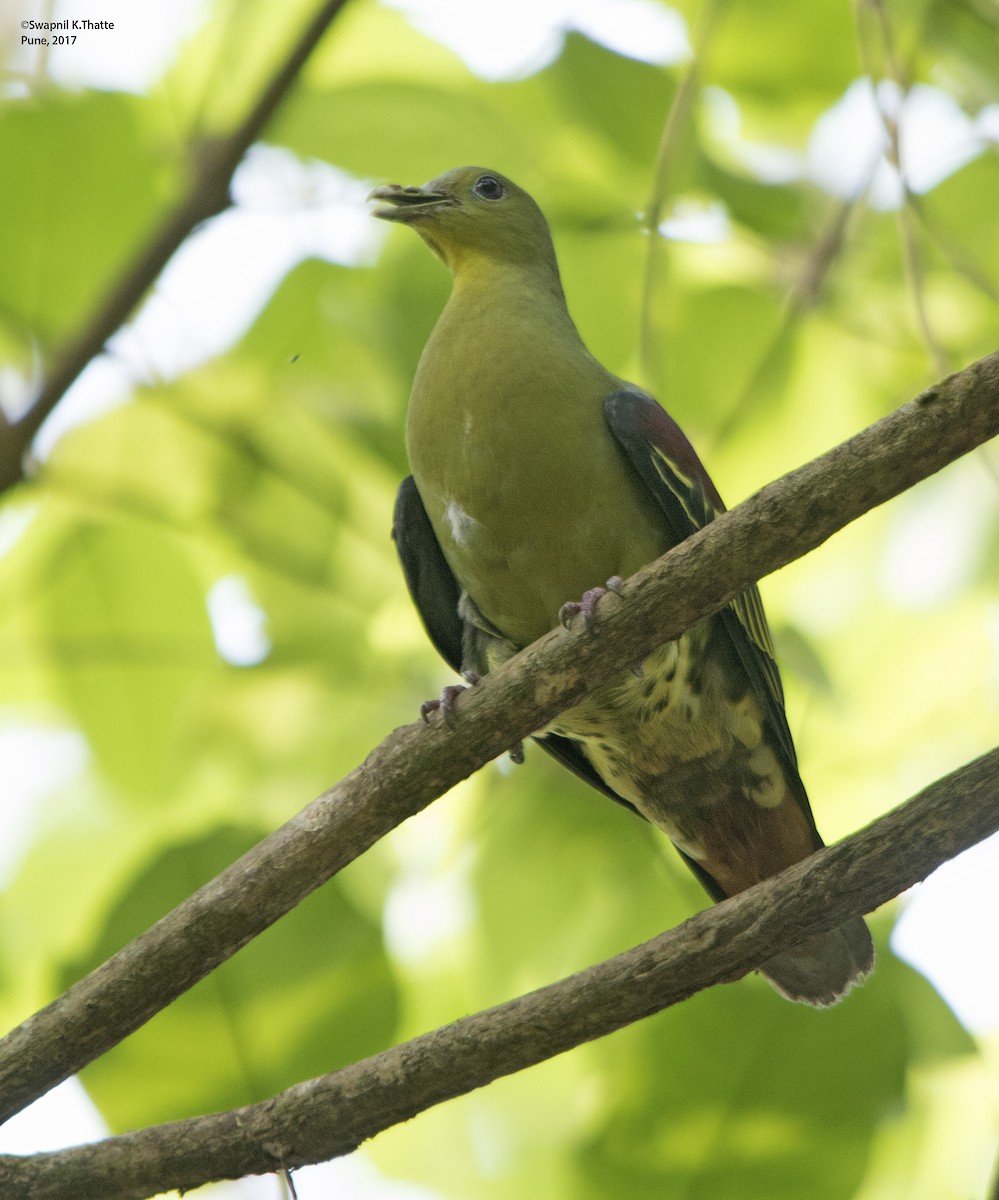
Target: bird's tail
x,y
823,969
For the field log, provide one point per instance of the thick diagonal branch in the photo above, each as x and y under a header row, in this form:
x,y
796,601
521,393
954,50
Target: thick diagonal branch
x,y
417,763
207,194
335,1113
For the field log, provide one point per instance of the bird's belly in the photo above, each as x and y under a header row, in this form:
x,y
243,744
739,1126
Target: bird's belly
x,y
640,727
675,743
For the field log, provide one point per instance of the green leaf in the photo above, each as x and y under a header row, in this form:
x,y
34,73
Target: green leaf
x,y
379,130
785,49
771,210
959,221
797,654
124,617
617,98
963,36
311,994
618,881
715,342
738,1095
60,247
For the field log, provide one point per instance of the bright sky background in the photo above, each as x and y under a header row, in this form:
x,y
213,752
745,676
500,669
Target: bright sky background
x,y
287,211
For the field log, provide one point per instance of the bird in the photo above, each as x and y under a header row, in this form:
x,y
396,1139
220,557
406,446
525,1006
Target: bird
x,y
539,481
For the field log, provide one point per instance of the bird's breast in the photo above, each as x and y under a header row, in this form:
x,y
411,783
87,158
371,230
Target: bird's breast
x,y
526,532
531,499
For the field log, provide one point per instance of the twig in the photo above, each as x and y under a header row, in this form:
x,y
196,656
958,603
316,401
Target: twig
x,y
214,163
334,1114
908,241
964,261
677,120
801,297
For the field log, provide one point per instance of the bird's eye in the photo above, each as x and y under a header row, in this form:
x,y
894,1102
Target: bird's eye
x,y
489,188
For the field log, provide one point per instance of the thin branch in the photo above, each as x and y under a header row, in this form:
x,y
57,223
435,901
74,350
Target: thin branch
x,y
803,295
417,763
913,264
215,161
965,262
332,1115
908,241
677,120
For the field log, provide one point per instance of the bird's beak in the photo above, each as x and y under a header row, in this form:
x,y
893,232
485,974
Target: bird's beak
x,y
409,203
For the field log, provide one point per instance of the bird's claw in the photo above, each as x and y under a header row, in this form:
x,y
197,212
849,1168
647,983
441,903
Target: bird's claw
x,y
586,606
445,702
516,753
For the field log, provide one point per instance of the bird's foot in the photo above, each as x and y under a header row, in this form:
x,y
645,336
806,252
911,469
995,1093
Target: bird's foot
x,y
586,607
445,702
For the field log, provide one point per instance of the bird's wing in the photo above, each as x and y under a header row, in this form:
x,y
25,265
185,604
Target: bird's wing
x,y
436,594
669,467
433,587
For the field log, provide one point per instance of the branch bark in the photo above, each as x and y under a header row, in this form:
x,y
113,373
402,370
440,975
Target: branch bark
x,y
417,763
207,195
332,1115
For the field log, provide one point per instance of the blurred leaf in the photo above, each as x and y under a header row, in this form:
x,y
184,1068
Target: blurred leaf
x,y
932,1031
599,269
963,35
343,345
618,881
785,1103
798,654
957,212
379,130
219,73
311,994
770,210
785,48
624,101
128,629
56,258
716,341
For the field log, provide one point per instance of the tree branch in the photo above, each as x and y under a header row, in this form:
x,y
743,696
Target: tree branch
x,y
334,1114
417,763
215,162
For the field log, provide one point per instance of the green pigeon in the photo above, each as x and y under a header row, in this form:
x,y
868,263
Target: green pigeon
x,y
538,480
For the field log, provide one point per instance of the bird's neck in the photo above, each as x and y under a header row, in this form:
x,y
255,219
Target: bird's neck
x,y
511,297
505,339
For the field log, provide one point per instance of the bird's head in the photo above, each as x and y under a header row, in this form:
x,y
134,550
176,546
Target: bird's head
x,y
469,215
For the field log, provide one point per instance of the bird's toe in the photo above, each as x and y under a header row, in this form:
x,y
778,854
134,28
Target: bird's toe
x,y
444,704
586,605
